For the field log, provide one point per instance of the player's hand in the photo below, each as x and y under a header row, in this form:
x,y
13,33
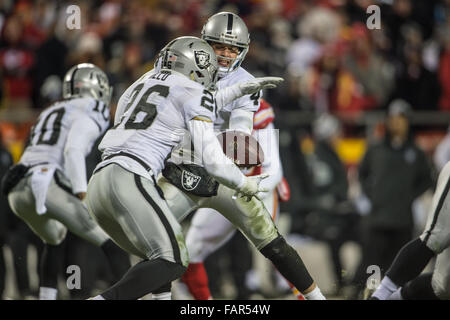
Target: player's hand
x,y
81,195
251,187
259,84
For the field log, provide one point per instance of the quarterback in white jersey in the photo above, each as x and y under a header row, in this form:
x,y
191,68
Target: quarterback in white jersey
x,y
46,187
154,115
187,186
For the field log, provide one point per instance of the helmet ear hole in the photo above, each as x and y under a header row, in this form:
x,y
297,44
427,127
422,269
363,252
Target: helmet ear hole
x,y
199,74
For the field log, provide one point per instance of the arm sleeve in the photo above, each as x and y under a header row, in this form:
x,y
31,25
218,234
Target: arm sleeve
x,y
268,139
241,120
198,104
227,95
82,136
214,160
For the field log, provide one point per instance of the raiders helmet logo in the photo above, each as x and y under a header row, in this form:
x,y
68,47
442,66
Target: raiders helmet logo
x,y
189,181
201,59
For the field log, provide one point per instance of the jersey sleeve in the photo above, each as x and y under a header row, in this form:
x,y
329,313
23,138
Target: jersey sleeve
x,y
82,135
248,102
198,104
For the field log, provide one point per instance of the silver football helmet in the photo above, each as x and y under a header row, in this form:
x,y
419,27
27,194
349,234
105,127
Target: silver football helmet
x,y
86,79
192,57
228,28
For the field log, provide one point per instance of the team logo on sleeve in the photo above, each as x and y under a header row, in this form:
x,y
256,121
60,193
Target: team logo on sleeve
x,y
201,58
189,181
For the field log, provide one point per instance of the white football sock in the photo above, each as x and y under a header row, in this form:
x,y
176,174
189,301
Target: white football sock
x,y
46,293
316,294
397,295
162,296
386,288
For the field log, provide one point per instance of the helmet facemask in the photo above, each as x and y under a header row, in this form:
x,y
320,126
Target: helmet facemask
x,y
234,62
227,28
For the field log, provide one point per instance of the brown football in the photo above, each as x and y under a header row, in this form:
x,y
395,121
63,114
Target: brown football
x,y
242,148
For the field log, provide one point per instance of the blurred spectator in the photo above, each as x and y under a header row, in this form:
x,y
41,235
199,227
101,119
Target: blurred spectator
x,y
444,69
328,86
414,83
373,74
50,60
16,62
317,27
392,174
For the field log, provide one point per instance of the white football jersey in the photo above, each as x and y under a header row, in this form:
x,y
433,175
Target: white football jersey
x,y
247,102
184,152
50,135
153,118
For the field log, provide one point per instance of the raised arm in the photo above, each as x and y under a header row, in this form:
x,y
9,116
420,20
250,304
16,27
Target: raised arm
x,y
229,94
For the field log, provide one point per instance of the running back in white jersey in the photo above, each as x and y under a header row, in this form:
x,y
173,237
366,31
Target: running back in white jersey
x,y
49,135
154,116
247,102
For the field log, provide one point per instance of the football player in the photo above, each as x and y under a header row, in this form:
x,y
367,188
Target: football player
x,y
47,186
404,280
152,116
229,37
209,230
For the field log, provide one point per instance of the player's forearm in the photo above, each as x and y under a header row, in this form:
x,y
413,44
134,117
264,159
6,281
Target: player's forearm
x,y
79,143
225,173
241,120
214,160
75,166
227,95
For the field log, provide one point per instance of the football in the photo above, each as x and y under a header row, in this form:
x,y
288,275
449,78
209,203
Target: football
x,y
242,148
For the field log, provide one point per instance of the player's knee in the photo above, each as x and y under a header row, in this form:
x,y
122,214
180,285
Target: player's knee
x,y
57,238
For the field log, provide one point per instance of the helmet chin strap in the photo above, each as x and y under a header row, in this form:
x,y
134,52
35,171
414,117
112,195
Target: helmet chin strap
x,y
223,71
